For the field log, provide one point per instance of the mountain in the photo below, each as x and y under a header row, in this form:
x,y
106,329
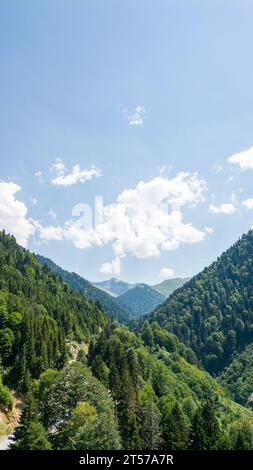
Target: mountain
x,y
213,312
38,315
141,299
114,310
238,377
114,286
96,384
170,285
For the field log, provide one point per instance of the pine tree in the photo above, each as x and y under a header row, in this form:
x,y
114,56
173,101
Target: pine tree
x,y
150,429
206,434
175,428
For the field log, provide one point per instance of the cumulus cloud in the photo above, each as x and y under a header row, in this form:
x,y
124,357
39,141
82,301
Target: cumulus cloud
x,y
248,203
166,273
135,118
225,208
209,230
243,159
142,222
114,267
49,232
13,214
77,175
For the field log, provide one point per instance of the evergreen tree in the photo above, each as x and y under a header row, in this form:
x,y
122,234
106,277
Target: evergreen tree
x,y
150,428
206,433
175,425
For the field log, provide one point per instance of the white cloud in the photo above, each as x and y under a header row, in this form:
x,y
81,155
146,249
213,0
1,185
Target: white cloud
x,y
52,213
217,169
248,203
39,176
77,175
243,159
226,208
229,180
166,273
136,118
13,214
50,232
143,221
34,200
111,268
209,230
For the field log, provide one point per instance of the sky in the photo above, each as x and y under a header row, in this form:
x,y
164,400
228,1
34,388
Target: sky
x,y
126,132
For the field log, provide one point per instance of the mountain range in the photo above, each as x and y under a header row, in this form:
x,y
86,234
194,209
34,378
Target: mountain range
x,y
181,378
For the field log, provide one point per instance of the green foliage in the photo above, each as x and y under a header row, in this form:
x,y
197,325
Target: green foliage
x,y
175,426
238,377
114,309
6,400
150,425
241,435
148,384
69,409
141,390
35,438
213,313
206,433
38,313
141,299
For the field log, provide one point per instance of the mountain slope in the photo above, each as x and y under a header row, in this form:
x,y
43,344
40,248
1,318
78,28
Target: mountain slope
x,y
213,312
139,376
170,285
142,299
38,315
238,377
114,286
114,310
156,387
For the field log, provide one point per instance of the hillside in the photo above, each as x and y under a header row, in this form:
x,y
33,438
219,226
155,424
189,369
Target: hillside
x,y
170,285
213,312
88,383
114,286
238,377
113,309
142,299
38,313
166,389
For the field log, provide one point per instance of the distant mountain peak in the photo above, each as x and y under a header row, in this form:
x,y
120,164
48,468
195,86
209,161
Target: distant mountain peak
x,y
114,286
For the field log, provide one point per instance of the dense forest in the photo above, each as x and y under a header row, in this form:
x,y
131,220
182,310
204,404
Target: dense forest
x,y
141,299
213,312
112,307
38,313
87,382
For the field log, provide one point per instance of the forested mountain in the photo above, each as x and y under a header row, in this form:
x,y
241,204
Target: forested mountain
x,y
113,309
213,312
163,401
37,314
142,299
88,383
114,286
238,377
170,285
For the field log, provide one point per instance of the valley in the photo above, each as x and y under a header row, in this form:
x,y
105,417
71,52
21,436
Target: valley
x,y
179,377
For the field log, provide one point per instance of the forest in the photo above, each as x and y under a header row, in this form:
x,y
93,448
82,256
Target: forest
x,y
180,379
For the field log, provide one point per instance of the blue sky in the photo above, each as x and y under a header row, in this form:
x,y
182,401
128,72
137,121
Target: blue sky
x,y
130,91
